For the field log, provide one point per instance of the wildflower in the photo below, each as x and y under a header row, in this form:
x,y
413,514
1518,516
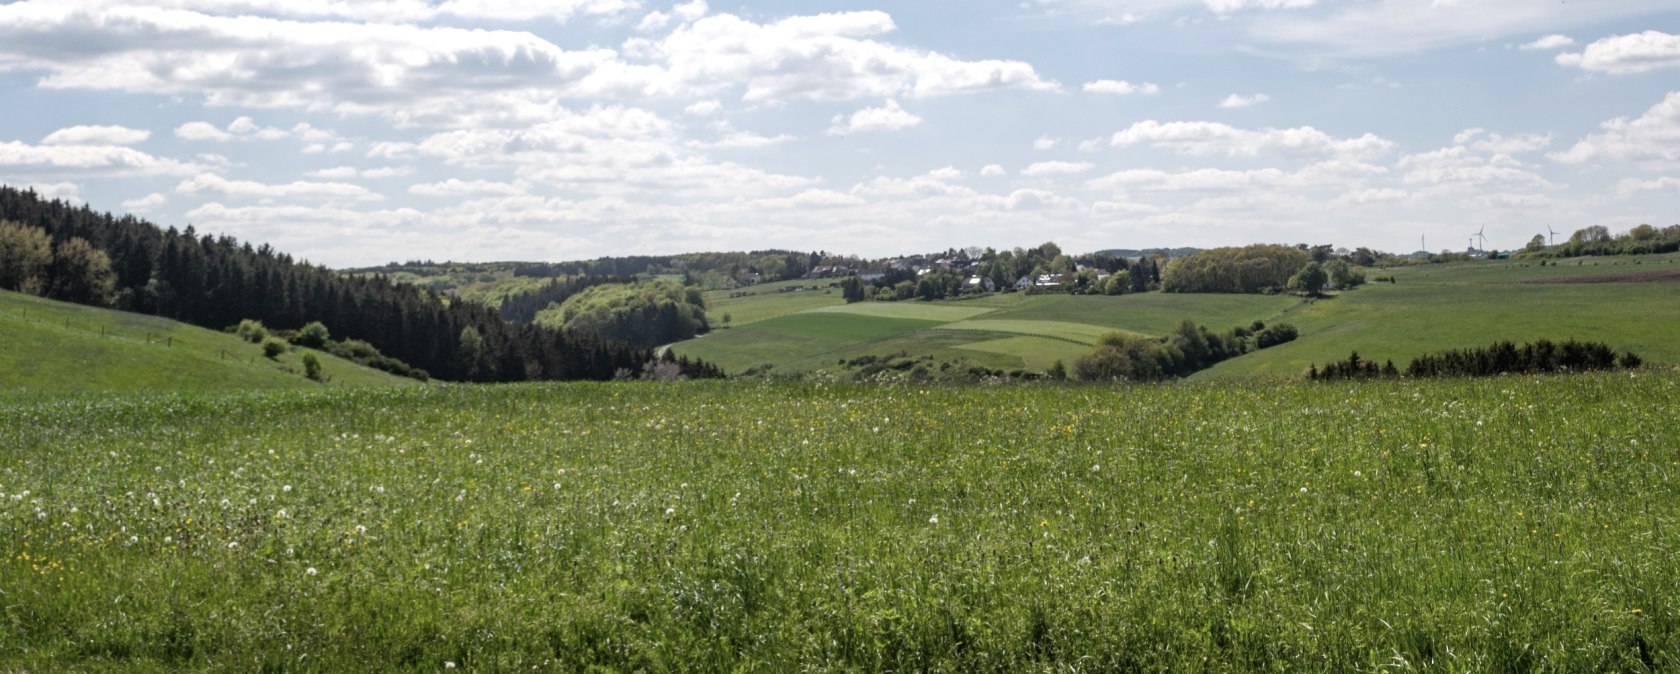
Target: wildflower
x,y
1358,474
309,571
450,664
933,520
670,511
360,530
286,488
233,545
1303,490
281,514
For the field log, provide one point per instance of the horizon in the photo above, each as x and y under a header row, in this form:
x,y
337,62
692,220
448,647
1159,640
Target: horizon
x,y
356,135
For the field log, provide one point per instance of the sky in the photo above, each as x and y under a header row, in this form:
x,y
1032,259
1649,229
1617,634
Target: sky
x,y
360,132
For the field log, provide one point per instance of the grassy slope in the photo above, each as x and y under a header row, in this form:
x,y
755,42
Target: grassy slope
x,y
1442,307
1008,332
53,346
1512,524
752,304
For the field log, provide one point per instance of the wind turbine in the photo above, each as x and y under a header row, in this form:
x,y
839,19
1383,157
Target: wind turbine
x,y
1552,233
1483,238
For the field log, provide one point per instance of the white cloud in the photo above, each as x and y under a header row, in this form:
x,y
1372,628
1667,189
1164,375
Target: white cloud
x,y
654,21
889,117
1628,187
1213,138
1377,28
1240,101
1228,6
69,192
691,11
1480,140
703,108
210,183
344,172
145,203
1548,43
1045,143
387,172
455,187
1652,137
744,140
993,170
825,57
201,131
1459,171
243,128
88,160
1050,168
1121,87
96,135
1627,54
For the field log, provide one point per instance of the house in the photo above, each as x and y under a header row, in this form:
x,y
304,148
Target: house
x,y
1024,283
979,282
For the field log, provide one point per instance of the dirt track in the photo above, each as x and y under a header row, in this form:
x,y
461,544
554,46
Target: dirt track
x,y
1653,276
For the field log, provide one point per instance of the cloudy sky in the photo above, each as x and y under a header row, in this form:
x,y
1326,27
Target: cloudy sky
x,y
357,132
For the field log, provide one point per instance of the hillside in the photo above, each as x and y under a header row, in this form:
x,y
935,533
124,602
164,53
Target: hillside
x,y
55,346
1623,301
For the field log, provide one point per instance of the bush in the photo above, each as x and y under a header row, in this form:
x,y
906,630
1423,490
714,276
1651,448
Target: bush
x,y
1275,335
314,335
312,367
251,331
272,348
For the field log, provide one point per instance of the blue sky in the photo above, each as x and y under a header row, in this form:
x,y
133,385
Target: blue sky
x,y
361,132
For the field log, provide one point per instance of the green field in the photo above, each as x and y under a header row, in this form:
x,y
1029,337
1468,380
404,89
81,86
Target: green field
x,y
53,346
752,304
1431,308
1441,307
981,331
1502,525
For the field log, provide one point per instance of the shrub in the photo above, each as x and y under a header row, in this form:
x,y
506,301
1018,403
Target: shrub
x,y
251,331
314,335
272,348
312,367
1275,335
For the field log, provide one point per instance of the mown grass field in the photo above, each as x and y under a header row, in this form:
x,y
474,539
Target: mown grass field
x,y
54,346
1440,307
1429,309
1508,524
1003,332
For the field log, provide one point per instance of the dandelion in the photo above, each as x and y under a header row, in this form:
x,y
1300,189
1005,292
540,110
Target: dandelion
x,y
281,514
286,488
450,664
310,571
233,545
360,530
670,511
933,520
1358,474
1303,490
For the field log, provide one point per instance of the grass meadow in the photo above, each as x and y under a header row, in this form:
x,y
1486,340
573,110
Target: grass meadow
x,y
1503,525
54,346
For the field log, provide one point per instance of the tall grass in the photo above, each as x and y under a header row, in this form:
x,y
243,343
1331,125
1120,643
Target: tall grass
x,y
1511,524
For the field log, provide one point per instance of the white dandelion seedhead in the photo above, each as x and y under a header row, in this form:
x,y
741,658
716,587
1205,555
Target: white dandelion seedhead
x,y
933,520
670,511
310,571
286,488
233,545
1358,474
1303,490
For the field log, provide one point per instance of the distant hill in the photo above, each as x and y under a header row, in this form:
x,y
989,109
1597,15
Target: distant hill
x,y
55,346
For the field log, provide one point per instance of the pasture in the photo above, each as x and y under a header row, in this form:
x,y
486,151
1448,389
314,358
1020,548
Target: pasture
x,y
1509,524
54,346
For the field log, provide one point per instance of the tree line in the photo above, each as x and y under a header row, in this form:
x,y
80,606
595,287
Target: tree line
x,y
216,282
1502,357
1186,350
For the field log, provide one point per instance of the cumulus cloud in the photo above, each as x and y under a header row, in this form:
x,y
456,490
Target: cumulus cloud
x,y
1548,43
1482,141
1627,54
1388,27
244,128
210,183
1458,170
70,192
1628,187
740,140
1651,137
1121,87
1212,138
1051,168
455,187
96,135
1045,143
889,117
703,108
1240,101
825,57
145,204
108,160
993,170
